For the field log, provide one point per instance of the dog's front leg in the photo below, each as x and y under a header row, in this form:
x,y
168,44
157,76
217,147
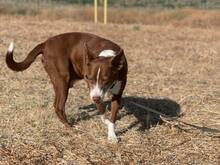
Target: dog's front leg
x,y
100,108
115,105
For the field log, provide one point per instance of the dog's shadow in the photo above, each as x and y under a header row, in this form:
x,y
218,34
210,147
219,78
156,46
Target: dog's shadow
x,y
144,118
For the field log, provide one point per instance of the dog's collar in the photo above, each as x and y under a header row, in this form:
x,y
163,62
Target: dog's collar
x,y
115,87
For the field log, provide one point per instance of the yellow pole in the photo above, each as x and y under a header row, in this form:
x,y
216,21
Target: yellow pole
x,y
95,11
105,11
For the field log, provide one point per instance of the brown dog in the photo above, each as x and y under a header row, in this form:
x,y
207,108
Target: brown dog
x,y
74,56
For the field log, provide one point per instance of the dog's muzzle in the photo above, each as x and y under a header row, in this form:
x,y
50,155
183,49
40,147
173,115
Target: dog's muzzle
x,y
97,99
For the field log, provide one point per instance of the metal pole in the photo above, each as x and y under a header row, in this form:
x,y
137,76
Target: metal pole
x,y
95,12
105,11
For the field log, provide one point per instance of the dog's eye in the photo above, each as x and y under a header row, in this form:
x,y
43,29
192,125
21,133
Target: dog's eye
x,y
105,78
105,82
88,78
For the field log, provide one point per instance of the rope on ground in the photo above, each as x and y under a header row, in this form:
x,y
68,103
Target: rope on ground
x,y
176,122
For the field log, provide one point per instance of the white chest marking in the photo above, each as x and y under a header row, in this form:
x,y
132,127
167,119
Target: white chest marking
x,y
107,53
96,90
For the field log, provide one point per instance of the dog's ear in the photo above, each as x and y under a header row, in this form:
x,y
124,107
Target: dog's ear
x,y
88,55
117,61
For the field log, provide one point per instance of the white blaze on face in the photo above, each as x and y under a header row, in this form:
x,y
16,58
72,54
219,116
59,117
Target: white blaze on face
x,y
96,91
107,53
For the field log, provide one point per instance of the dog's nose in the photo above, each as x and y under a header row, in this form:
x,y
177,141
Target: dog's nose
x,y
96,99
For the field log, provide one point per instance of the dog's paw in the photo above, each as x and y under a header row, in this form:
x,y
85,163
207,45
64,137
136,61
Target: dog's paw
x,y
68,125
103,118
113,138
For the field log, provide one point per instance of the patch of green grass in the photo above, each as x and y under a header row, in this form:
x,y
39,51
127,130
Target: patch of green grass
x,y
178,15
136,28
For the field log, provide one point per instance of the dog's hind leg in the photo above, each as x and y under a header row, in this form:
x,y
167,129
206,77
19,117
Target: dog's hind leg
x,y
60,78
61,93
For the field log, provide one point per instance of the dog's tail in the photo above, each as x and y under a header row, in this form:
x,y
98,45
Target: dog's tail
x,y
20,66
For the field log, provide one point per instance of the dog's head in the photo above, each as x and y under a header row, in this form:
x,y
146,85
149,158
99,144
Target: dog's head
x,y
101,71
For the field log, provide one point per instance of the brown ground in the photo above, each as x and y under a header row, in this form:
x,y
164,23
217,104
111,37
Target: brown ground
x,y
169,69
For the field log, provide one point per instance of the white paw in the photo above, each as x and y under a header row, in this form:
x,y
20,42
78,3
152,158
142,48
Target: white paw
x,y
111,129
113,138
103,118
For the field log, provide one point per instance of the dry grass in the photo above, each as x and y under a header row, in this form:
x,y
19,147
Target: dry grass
x,y
179,17
181,64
